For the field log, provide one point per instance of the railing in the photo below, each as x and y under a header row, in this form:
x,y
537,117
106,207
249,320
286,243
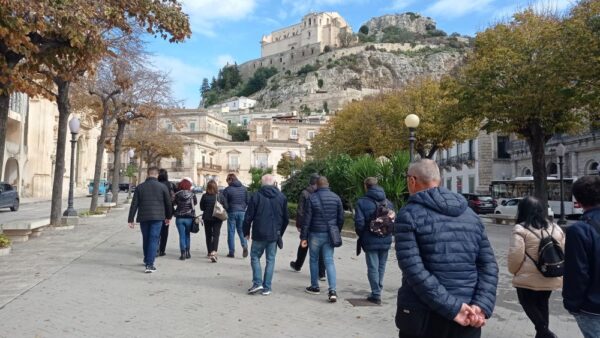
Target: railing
x,y
465,157
233,167
293,137
208,166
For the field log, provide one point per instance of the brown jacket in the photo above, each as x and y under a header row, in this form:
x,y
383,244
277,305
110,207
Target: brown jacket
x,y
526,274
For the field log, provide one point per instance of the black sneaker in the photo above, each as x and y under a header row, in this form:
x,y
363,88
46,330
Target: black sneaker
x,y
374,300
230,255
254,289
332,296
313,290
162,253
150,269
293,266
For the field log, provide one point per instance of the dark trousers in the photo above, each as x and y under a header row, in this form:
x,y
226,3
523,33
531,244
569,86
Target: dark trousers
x,y
535,305
164,235
212,230
301,257
440,327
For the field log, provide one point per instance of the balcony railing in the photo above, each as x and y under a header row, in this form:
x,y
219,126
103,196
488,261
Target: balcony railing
x,y
208,166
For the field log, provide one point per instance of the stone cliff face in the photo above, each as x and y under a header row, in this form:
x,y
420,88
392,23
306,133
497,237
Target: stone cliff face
x,y
337,78
408,21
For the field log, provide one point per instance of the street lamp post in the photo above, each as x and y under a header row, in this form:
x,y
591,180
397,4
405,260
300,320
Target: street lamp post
x,y
293,158
412,122
560,151
130,153
70,215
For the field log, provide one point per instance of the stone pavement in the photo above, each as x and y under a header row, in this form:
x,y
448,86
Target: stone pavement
x,y
89,282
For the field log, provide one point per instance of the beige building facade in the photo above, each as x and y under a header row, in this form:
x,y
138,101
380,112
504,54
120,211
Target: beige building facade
x,y
30,151
301,130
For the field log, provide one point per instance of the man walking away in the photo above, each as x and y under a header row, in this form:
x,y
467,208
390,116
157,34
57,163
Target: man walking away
x,y
235,198
152,203
323,212
267,215
449,272
375,241
163,177
301,256
581,281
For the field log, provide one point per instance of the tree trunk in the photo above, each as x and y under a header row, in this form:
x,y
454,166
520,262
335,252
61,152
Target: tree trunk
x,y
98,166
139,180
62,100
4,104
118,143
537,144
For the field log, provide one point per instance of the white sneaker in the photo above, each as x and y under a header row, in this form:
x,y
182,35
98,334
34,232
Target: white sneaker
x,y
254,289
266,292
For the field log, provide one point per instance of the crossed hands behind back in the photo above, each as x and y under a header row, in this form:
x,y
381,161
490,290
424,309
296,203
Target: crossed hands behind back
x,y
470,315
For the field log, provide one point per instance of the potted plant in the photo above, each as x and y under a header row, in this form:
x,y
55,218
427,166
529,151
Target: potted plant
x,y
4,245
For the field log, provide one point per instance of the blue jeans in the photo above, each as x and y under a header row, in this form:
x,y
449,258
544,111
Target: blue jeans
x,y
235,222
588,324
376,260
150,234
184,225
258,248
319,244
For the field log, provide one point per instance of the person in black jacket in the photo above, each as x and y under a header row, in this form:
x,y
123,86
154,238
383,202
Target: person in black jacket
x,y
235,201
581,282
163,177
376,247
152,203
324,213
185,200
212,225
449,272
267,215
302,251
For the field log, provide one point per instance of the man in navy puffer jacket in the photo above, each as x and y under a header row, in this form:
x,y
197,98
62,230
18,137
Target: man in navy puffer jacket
x,y
235,201
376,247
449,272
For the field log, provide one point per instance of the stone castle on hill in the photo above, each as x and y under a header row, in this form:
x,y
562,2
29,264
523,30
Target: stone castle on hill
x,y
288,47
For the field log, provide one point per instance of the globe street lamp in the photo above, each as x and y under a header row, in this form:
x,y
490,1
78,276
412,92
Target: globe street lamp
x,y
293,158
74,126
412,122
560,152
130,153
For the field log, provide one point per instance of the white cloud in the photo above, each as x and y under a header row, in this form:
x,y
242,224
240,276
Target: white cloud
x,y
205,14
458,8
300,7
186,78
224,59
553,6
397,5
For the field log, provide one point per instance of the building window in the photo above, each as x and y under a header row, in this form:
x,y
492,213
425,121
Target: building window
x,y
459,182
245,121
302,53
293,133
312,50
280,60
259,130
502,143
471,184
593,169
471,149
203,161
169,127
193,127
310,134
275,134
309,22
262,160
234,162
449,183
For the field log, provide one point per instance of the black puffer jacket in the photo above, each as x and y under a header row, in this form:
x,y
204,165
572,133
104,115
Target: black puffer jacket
x,y
207,205
151,201
235,197
322,210
185,201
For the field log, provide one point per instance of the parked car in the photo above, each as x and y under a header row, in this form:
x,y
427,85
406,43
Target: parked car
x,y
509,207
197,189
9,197
481,204
122,187
102,187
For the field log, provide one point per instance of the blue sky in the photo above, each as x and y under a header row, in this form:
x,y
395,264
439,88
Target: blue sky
x,y
230,30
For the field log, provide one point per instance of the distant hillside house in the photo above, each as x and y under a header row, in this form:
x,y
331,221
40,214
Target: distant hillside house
x,y
234,104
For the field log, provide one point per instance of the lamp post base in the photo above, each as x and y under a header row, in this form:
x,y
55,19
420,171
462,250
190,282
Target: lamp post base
x,y
69,222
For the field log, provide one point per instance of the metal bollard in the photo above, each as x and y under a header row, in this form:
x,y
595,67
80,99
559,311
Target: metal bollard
x,y
108,197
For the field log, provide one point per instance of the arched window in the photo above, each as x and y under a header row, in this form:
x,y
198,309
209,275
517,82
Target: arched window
x,y
552,169
592,168
526,171
309,22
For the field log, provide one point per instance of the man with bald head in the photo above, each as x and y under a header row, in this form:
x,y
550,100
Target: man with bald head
x,y
449,272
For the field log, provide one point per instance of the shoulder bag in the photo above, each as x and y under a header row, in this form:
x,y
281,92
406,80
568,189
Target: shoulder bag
x,y
219,211
335,237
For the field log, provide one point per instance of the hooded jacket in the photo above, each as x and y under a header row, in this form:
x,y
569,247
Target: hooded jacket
x,y
184,203
444,254
581,288
235,197
366,207
526,274
267,215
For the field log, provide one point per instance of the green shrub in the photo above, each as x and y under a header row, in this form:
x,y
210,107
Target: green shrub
x,y
4,241
307,69
293,210
397,35
320,83
364,30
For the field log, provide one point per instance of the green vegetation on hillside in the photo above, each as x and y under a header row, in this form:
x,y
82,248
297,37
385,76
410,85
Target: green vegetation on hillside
x,y
229,83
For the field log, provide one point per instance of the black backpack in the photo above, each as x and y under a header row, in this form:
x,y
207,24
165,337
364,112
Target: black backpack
x,y
551,257
382,223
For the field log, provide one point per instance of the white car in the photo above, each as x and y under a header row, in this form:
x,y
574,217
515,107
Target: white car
x,y
509,207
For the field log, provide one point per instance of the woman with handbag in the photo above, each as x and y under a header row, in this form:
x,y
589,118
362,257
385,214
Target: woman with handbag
x,y
533,288
212,224
184,203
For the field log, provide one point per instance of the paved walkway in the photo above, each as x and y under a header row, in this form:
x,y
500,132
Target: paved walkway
x,y
88,282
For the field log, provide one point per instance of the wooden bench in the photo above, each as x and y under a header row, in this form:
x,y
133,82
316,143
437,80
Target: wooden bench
x,y
500,219
22,231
